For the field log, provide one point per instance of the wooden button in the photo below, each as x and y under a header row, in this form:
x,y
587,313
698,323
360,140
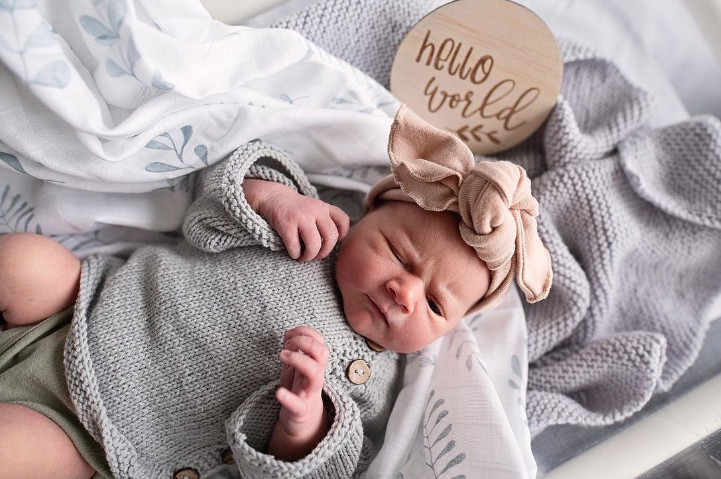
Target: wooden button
x,y
187,473
227,457
374,346
358,372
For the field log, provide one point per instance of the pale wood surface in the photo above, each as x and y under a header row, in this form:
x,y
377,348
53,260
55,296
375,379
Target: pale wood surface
x,y
487,70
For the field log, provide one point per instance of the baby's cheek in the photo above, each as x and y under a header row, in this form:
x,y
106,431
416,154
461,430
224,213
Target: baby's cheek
x,y
415,337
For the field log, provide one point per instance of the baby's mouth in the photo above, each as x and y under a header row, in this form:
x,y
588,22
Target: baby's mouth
x,y
378,312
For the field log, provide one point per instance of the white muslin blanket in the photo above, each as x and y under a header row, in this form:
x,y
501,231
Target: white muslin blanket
x,y
106,106
117,96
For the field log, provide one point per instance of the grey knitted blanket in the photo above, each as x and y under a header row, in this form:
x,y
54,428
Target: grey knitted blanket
x,y
631,216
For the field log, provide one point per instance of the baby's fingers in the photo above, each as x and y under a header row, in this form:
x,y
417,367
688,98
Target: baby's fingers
x,y
308,367
312,241
329,232
310,346
303,330
291,240
295,405
341,220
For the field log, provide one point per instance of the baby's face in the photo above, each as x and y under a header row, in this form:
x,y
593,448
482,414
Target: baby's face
x,y
406,276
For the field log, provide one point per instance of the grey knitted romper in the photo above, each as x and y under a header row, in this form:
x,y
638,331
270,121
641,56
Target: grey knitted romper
x,y
173,357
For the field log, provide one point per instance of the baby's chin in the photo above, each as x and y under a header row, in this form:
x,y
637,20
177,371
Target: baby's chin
x,y
364,324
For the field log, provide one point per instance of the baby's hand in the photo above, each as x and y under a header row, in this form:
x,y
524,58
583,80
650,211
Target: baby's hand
x,y
298,218
305,357
302,423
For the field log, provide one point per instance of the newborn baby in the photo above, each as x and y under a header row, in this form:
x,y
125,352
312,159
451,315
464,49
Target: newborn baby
x,y
171,362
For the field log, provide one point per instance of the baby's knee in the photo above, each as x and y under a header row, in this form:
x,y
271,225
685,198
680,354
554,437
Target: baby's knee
x,y
38,278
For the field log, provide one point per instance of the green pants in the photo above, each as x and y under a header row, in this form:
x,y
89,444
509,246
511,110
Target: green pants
x,y
31,374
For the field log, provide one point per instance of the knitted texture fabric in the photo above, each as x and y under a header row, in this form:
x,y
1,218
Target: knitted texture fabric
x,y
631,217
173,357
366,34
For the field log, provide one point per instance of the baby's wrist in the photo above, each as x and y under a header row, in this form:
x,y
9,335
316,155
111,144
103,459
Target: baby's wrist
x,y
258,192
292,443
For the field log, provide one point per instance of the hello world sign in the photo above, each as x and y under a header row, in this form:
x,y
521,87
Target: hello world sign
x,y
487,70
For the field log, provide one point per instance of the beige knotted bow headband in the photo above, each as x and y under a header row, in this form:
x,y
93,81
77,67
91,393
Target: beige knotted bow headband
x,y
437,171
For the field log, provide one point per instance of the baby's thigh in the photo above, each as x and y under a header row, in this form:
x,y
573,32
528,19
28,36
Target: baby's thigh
x,y
33,446
38,278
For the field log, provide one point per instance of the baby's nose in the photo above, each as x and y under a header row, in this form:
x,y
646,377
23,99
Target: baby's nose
x,y
406,291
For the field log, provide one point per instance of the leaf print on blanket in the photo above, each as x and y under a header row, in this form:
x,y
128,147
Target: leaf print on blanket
x,y
354,100
16,214
34,67
290,100
80,241
13,162
106,31
468,344
165,142
424,357
438,448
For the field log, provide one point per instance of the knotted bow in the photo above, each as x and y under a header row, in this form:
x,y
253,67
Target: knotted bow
x,y
437,171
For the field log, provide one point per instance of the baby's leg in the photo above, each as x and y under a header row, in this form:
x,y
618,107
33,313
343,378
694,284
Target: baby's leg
x,y
33,446
38,278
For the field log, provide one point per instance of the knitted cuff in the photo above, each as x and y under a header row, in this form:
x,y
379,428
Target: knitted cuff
x,y
335,457
221,218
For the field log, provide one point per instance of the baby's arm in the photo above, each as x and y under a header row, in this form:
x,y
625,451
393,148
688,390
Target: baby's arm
x,y
303,422
310,228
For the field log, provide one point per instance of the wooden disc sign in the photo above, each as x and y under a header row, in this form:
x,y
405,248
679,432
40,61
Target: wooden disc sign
x,y
487,70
